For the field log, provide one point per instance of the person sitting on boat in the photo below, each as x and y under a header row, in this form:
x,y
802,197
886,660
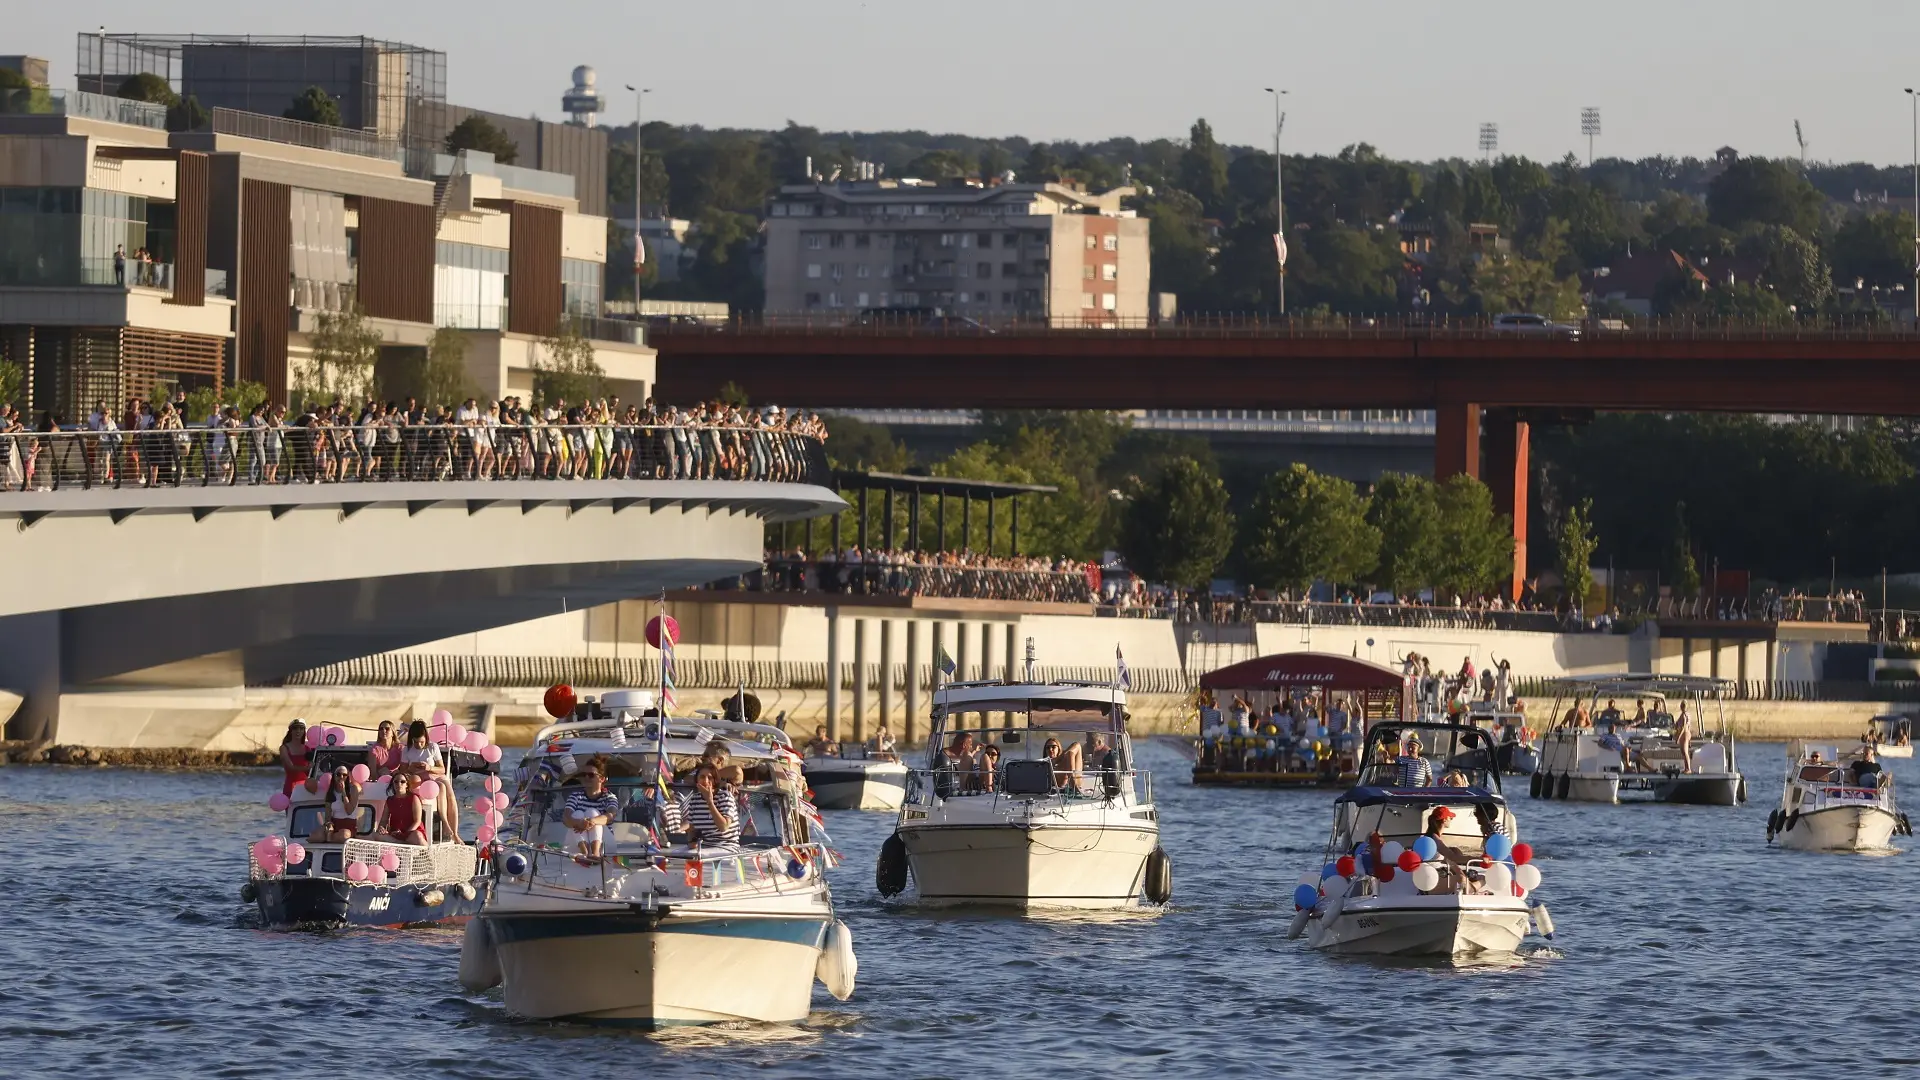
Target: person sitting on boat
x,y
1611,740
712,812
295,756
1866,769
820,745
343,810
590,809
1453,860
1410,769
1816,769
881,746
987,769
1337,720
1611,714
1639,713
1454,778
405,820
383,753
422,759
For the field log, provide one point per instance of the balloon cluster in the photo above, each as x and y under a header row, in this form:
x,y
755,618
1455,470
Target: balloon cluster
x,y
492,810
444,732
321,735
273,854
1508,868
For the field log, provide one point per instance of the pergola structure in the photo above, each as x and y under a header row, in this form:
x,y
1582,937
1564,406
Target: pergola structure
x,y
858,486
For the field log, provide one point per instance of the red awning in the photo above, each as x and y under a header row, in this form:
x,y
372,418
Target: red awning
x,y
1304,670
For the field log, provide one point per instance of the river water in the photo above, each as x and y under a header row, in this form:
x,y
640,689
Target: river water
x,y
1686,947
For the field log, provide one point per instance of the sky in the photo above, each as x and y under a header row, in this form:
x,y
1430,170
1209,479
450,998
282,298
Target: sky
x,y
1415,79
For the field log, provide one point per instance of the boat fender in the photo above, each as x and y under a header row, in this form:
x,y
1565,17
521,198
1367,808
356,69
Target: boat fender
x,y
249,892
1299,924
837,966
890,872
1773,825
1906,827
466,890
1742,796
479,963
1566,781
1335,905
1542,921
432,897
1792,820
1159,883
1533,786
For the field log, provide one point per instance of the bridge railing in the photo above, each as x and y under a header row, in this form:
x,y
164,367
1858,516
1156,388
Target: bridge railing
x,y
378,453
946,582
1385,325
1319,613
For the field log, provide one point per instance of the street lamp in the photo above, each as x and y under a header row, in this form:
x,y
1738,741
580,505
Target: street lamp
x,y
1279,197
639,248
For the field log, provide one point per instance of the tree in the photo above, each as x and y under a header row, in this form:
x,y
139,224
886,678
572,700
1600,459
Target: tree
x,y
13,80
1575,544
863,447
1405,511
1203,169
565,369
1682,572
186,115
1476,544
939,165
344,349
1304,527
1041,166
1511,283
314,106
1791,265
148,87
1346,269
476,132
13,382
443,376
242,395
1177,242
1874,250
1178,529
1757,190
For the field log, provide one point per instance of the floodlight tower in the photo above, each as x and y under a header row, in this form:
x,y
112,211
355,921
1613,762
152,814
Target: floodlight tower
x,y
1590,127
1489,140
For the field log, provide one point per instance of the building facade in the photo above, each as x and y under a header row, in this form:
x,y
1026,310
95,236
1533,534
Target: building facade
x,y
995,252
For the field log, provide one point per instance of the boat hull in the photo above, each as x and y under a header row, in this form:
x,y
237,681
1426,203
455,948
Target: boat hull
x,y
1421,930
857,789
323,901
644,969
1029,866
1841,828
1886,751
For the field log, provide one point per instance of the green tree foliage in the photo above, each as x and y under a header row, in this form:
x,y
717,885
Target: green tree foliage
x,y
1177,240
13,384
476,132
1178,529
1203,169
864,447
1574,545
1874,250
148,87
186,115
1405,511
1765,192
314,106
341,366
13,80
724,243
565,368
1512,283
1791,266
1345,269
1678,222
940,165
1304,527
1067,523
1476,544
443,376
242,395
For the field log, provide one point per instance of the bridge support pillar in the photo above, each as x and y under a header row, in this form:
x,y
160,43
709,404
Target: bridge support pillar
x,y
31,666
1507,442
913,683
859,680
833,670
886,674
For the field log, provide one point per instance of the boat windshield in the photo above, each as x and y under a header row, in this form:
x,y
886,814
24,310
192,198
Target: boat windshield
x,y
645,815
1429,756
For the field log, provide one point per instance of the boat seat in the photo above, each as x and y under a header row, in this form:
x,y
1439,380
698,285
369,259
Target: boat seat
x,y
1033,777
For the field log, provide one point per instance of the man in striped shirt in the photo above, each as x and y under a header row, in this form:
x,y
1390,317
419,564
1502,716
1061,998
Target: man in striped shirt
x,y
1413,771
712,812
590,809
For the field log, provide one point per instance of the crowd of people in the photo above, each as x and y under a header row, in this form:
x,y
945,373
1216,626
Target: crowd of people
x,y
948,574
405,761
151,444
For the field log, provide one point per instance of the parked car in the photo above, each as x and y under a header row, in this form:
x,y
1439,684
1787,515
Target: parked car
x,y
1533,325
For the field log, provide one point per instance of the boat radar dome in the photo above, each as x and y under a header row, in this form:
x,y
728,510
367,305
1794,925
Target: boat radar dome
x,y
583,103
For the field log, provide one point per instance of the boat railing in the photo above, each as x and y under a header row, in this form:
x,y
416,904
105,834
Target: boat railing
x,y
414,865
1092,786
761,870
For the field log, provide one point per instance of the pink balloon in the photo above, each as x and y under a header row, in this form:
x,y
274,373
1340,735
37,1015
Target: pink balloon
x,y
428,790
491,783
477,740
296,854
495,818
332,736
277,842
441,718
325,781
500,800
389,860
279,801
313,736
456,735
361,774
482,804
356,871
485,835
438,733
272,865
490,753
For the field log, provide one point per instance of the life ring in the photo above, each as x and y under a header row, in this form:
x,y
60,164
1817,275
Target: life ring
x,y
1159,877
890,872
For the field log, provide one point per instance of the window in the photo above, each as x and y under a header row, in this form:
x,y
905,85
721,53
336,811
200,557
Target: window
x,y
909,299
1009,269
862,271
1006,298
1111,242
984,270
1108,300
861,240
1086,273
813,241
1009,240
966,270
862,300
986,240
837,271
883,240
1110,272
946,239
883,300
813,270
813,299
833,299
1086,300
966,298
837,240
966,240
886,271
1089,243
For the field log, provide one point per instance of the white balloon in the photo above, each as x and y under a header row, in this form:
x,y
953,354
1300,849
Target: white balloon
x,y
1528,877
1426,878
1499,880
1310,879
1390,851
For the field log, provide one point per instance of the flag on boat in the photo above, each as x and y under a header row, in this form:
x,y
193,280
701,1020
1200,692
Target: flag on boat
x,y
667,697
945,662
1124,680
812,814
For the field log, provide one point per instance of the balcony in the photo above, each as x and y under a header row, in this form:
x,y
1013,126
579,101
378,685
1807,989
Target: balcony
x,y
279,129
19,271
77,103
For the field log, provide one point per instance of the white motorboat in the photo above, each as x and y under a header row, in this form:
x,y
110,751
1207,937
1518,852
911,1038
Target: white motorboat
x,y
1028,832
1513,739
1835,803
1651,754
856,779
659,930
1891,735
296,880
1387,889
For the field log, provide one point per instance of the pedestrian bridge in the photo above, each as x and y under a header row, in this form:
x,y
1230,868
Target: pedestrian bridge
x,y
227,584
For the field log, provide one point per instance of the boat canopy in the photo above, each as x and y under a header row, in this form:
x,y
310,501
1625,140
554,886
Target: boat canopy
x,y
1431,796
1044,704
1304,671
1645,684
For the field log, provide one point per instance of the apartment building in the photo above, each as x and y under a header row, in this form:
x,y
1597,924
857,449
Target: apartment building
x,y
990,251
258,225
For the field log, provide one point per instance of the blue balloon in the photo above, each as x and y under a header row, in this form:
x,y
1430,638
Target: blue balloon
x,y
1329,871
1365,858
1305,896
1426,848
1499,846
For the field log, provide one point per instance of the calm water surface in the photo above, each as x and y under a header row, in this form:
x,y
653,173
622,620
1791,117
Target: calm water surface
x,y
1686,948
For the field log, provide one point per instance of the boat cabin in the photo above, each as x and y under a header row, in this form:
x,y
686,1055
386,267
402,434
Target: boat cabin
x,y
1295,718
1027,739
1409,770
1890,729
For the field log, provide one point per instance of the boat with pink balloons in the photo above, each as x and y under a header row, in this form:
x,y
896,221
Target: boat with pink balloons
x,y
364,840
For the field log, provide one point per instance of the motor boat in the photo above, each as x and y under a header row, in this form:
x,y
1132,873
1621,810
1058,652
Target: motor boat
x,y
296,881
1513,740
1655,754
1891,735
1387,887
1294,719
1007,825
659,929
1833,803
856,779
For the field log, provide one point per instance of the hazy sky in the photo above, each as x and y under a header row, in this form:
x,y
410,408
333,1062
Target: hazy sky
x,y
1415,79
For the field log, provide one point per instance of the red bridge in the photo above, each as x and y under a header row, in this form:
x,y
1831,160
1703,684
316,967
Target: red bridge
x,y
1484,386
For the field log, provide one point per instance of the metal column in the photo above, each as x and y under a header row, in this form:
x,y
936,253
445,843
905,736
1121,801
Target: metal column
x,y
886,674
913,684
986,651
860,680
961,671
833,670
990,503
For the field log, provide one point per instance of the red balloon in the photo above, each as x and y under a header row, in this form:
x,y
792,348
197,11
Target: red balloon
x,y
1384,873
559,701
1344,866
1409,860
1522,854
653,630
